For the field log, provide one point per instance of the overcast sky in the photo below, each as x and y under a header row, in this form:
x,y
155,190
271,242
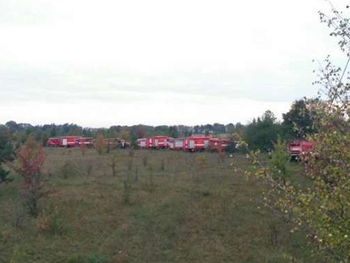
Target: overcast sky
x,y
109,62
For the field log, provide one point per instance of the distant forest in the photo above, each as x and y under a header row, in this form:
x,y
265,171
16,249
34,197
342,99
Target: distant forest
x,y
261,133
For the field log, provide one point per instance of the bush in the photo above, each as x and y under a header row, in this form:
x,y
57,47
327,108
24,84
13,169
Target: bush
x,y
68,169
50,221
280,160
30,159
4,178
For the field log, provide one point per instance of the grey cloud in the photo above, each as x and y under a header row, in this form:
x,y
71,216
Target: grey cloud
x,y
23,84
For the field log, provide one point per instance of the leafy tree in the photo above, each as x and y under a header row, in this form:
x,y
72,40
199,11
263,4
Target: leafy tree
x,y
230,128
99,144
4,175
208,128
298,121
125,134
161,130
6,153
219,128
261,133
280,160
12,125
140,132
173,132
30,159
239,128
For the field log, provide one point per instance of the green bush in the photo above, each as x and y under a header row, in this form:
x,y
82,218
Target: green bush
x,y
280,160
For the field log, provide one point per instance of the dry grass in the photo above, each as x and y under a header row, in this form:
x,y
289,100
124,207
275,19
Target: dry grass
x,y
181,207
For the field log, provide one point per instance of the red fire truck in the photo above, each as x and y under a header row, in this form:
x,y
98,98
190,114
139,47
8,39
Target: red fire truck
x,y
53,142
218,144
86,141
158,142
142,143
195,144
179,143
300,148
69,141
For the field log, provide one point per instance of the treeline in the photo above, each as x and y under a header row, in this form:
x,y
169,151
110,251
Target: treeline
x,y
297,123
20,131
261,133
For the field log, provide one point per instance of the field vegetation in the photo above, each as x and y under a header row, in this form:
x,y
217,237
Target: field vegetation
x,y
146,206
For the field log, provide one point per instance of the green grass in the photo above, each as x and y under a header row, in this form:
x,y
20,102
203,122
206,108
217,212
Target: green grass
x,y
190,207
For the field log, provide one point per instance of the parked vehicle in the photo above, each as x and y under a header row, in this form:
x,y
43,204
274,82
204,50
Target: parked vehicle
x,y
179,143
300,148
218,144
53,142
195,144
158,142
142,143
86,141
171,144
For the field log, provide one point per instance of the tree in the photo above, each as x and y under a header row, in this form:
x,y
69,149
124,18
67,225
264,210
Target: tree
x,y
323,208
140,132
173,132
230,128
298,121
239,128
99,144
125,134
6,153
12,125
261,133
219,128
30,159
280,160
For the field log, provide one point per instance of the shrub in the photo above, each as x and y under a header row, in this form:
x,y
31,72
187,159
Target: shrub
x,y
145,161
30,159
127,189
50,221
68,169
99,144
162,164
6,154
4,178
113,163
280,160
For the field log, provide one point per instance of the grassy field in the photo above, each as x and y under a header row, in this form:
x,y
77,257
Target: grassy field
x,y
160,206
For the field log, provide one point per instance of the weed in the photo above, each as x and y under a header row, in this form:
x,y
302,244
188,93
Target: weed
x,y
93,258
83,149
136,174
162,164
68,169
201,161
151,185
96,258
18,214
131,153
50,220
113,164
127,189
130,164
145,161
89,168
273,235
221,156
